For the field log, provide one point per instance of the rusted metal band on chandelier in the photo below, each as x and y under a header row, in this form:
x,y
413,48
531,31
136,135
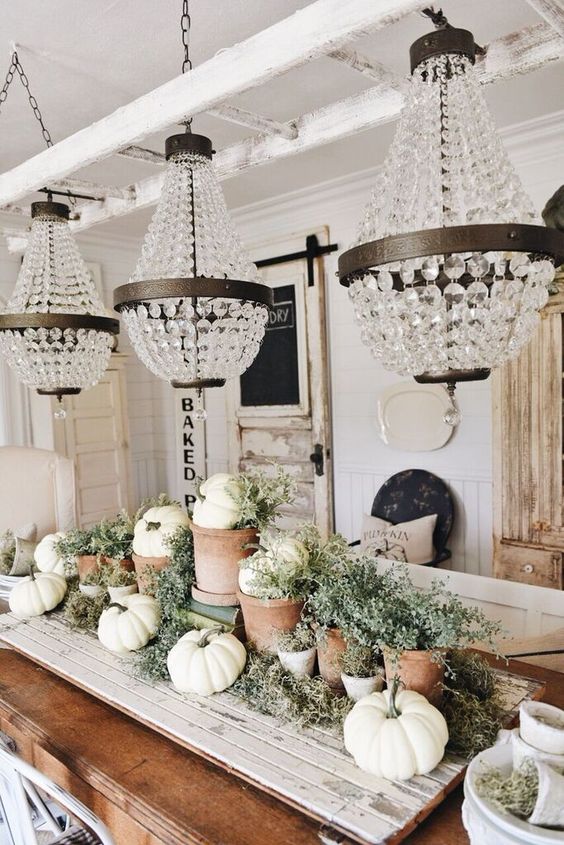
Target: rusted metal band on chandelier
x,y
187,142
50,209
441,42
494,237
198,383
58,321
60,391
452,376
135,292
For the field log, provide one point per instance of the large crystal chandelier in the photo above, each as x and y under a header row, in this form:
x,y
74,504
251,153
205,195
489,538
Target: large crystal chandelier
x,y
450,267
194,309
54,332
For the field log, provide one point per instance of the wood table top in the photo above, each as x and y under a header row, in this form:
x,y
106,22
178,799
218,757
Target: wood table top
x,y
179,796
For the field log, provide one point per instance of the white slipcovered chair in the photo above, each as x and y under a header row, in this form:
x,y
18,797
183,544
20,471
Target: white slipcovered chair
x,y
29,818
38,486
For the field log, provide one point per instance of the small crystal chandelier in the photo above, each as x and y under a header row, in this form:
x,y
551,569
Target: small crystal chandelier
x,y
54,332
451,264
194,309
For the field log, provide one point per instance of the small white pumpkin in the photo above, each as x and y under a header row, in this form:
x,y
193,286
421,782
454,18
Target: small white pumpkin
x,y
206,661
287,550
37,593
250,570
216,507
396,735
129,625
46,557
154,528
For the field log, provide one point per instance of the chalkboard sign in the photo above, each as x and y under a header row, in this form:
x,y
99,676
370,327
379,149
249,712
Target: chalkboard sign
x,y
273,377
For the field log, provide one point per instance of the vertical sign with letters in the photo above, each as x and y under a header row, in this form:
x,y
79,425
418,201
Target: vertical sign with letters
x,y
191,446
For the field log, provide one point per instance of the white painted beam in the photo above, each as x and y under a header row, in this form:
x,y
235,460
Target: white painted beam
x,y
506,57
82,186
262,124
142,154
369,68
319,28
552,11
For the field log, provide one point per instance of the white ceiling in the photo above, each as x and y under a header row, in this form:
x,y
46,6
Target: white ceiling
x,y
85,58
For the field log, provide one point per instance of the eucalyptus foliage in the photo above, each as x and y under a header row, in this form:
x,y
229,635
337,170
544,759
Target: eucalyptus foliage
x,y
259,496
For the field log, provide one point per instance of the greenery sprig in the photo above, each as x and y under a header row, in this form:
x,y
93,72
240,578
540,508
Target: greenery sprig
x,y
301,638
359,661
258,496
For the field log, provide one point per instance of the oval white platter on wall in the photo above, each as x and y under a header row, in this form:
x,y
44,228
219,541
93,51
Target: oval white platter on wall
x,y
410,416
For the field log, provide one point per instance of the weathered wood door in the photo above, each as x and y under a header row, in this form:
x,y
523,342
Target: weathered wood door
x,y
95,436
279,410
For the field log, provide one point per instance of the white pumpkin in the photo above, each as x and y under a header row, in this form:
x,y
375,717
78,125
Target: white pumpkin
x,y
154,528
252,567
395,736
287,550
129,625
46,557
206,661
217,508
37,593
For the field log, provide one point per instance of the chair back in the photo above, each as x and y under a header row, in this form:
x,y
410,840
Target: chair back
x,y
36,486
414,493
21,803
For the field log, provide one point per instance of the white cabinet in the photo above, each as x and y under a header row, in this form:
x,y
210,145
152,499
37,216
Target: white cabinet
x,y
95,435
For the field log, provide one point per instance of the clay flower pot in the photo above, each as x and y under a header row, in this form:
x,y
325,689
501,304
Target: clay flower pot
x,y
357,688
299,663
416,671
330,649
145,567
217,552
86,564
264,618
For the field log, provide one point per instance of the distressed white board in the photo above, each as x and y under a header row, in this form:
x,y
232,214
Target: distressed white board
x,y
308,769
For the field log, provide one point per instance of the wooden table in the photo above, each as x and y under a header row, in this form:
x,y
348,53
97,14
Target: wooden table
x,y
151,791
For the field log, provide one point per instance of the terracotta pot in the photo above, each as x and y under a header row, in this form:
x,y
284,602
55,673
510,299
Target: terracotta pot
x,y
217,552
299,663
417,671
86,564
265,617
125,563
330,650
145,567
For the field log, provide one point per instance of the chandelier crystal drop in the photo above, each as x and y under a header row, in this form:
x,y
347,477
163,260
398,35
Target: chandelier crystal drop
x,y
54,332
451,265
194,309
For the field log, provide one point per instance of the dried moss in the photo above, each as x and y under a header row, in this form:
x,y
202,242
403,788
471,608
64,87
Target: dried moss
x,y
270,689
516,794
470,706
83,612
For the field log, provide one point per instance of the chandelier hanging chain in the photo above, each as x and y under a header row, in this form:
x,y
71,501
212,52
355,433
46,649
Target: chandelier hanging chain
x,y
16,66
185,26
440,21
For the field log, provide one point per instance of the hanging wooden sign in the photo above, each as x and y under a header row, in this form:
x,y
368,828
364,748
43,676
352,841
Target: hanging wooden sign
x,y
190,448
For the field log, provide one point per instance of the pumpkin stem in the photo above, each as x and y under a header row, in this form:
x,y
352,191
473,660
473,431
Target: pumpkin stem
x,y
117,604
204,639
393,712
32,570
153,526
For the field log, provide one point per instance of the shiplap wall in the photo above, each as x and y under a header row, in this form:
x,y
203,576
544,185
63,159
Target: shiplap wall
x,y
362,460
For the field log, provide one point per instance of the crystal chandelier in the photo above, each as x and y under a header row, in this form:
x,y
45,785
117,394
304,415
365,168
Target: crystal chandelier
x,y
450,267
194,309
54,332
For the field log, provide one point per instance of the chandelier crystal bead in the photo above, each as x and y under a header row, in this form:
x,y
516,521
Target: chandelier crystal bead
x,y
450,266
195,309
54,332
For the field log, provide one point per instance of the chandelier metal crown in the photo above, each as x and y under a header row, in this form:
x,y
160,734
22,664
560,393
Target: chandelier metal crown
x,y
451,265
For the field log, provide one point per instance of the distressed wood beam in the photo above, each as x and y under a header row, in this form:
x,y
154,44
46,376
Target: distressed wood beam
x,y
319,28
262,124
369,68
82,186
142,154
552,11
506,57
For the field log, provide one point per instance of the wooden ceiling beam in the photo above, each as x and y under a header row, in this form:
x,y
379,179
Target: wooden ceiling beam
x,y
309,33
262,124
82,186
506,57
552,11
142,154
369,68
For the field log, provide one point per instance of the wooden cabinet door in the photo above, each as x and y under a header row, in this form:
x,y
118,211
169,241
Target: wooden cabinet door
x,y
95,435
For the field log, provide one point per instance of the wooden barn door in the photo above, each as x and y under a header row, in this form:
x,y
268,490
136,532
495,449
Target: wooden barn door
x,y
278,411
